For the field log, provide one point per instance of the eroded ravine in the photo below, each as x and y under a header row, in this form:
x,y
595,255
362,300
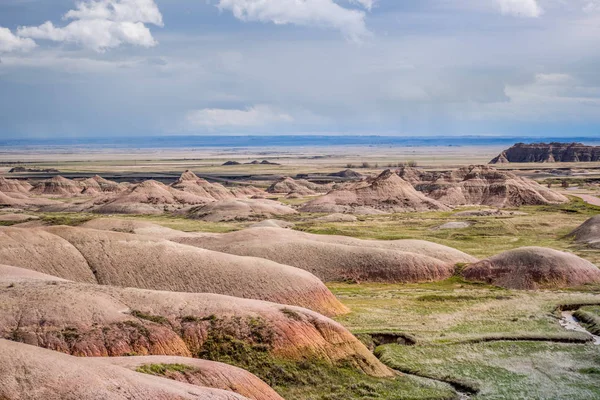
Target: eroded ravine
x,y
571,323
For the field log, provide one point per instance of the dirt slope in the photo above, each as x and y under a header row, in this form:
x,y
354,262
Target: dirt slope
x,y
93,320
32,373
205,373
388,193
189,182
336,258
58,187
121,259
588,232
534,268
239,210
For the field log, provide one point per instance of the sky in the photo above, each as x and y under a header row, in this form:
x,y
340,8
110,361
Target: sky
x,y
99,68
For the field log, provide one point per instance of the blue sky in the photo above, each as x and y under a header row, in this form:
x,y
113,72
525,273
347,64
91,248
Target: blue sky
x,y
389,67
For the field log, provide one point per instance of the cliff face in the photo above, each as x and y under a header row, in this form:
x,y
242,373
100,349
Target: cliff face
x,y
548,152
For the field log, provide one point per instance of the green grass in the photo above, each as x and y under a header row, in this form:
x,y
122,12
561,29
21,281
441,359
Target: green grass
x,y
478,336
163,369
505,370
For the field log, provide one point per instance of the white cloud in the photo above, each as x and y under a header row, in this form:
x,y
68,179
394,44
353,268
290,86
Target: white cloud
x,y
103,24
520,8
368,4
10,42
259,115
320,13
592,6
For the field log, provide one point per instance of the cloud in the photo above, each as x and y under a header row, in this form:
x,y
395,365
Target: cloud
x,y
368,4
10,42
520,8
102,24
319,13
259,115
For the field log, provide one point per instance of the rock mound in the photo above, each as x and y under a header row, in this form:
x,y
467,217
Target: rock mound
x,y
336,258
588,232
92,320
240,210
206,374
97,184
54,376
548,152
481,185
189,182
388,193
148,197
301,187
14,186
227,163
533,268
58,187
122,259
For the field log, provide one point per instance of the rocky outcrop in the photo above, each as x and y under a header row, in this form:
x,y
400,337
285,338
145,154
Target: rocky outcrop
x,y
480,185
548,152
387,193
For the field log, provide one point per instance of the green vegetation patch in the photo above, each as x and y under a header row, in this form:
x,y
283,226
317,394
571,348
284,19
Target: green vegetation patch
x,y
149,317
307,378
163,369
504,370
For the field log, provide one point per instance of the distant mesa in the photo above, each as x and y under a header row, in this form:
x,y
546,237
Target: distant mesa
x,y
226,163
255,162
480,185
533,268
588,233
548,153
25,169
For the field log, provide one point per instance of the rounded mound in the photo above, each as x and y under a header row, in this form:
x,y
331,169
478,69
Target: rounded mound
x,y
240,210
337,258
55,376
388,193
588,232
122,259
205,373
17,217
93,320
533,268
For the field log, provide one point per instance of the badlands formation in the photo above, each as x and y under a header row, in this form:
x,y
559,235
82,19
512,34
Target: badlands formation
x,y
533,268
125,306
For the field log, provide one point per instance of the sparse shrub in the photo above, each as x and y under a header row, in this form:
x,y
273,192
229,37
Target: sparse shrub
x,y
291,314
